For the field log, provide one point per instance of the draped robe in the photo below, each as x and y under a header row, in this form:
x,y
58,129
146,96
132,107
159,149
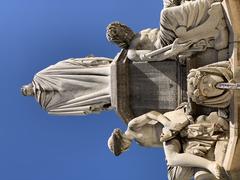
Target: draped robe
x,y
74,86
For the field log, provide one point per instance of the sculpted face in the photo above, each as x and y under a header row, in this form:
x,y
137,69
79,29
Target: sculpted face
x,y
118,142
27,90
207,85
120,34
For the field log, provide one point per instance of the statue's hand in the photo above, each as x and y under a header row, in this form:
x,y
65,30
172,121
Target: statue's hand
x,y
166,134
143,57
200,151
179,46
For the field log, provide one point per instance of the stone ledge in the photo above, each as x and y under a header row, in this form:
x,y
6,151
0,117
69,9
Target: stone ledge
x,y
232,162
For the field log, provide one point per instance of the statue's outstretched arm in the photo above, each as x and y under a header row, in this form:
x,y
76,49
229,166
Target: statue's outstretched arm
x,y
137,55
144,119
161,54
175,158
140,121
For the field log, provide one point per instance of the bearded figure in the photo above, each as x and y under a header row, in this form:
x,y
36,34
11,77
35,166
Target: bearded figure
x,y
186,27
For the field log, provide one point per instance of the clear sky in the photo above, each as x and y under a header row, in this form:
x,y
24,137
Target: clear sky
x,y
36,146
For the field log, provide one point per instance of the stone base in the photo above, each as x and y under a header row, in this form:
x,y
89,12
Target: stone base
x,y
232,158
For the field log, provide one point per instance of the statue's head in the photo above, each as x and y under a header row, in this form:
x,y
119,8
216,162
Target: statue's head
x,y
118,142
27,90
120,34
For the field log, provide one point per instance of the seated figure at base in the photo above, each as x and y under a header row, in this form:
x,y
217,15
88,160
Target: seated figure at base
x,y
191,27
148,130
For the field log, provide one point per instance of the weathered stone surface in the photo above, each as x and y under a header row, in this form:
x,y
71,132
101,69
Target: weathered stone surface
x,y
192,34
138,87
231,162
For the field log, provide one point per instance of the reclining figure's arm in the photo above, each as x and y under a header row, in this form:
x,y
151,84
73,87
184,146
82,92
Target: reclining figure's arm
x,y
175,158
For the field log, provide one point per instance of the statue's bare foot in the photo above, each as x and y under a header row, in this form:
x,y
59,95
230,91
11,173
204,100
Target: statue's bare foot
x,y
216,170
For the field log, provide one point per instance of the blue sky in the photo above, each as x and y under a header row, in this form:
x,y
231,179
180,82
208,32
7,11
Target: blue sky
x,y
36,146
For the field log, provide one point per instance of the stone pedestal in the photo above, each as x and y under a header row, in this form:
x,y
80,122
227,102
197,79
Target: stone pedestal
x,y
232,158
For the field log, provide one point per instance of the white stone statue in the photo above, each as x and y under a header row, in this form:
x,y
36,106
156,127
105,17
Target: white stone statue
x,y
202,85
185,142
192,144
184,30
73,86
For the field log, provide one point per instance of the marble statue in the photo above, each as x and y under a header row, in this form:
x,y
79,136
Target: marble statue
x,y
184,30
202,85
73,86
193,142
175,131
